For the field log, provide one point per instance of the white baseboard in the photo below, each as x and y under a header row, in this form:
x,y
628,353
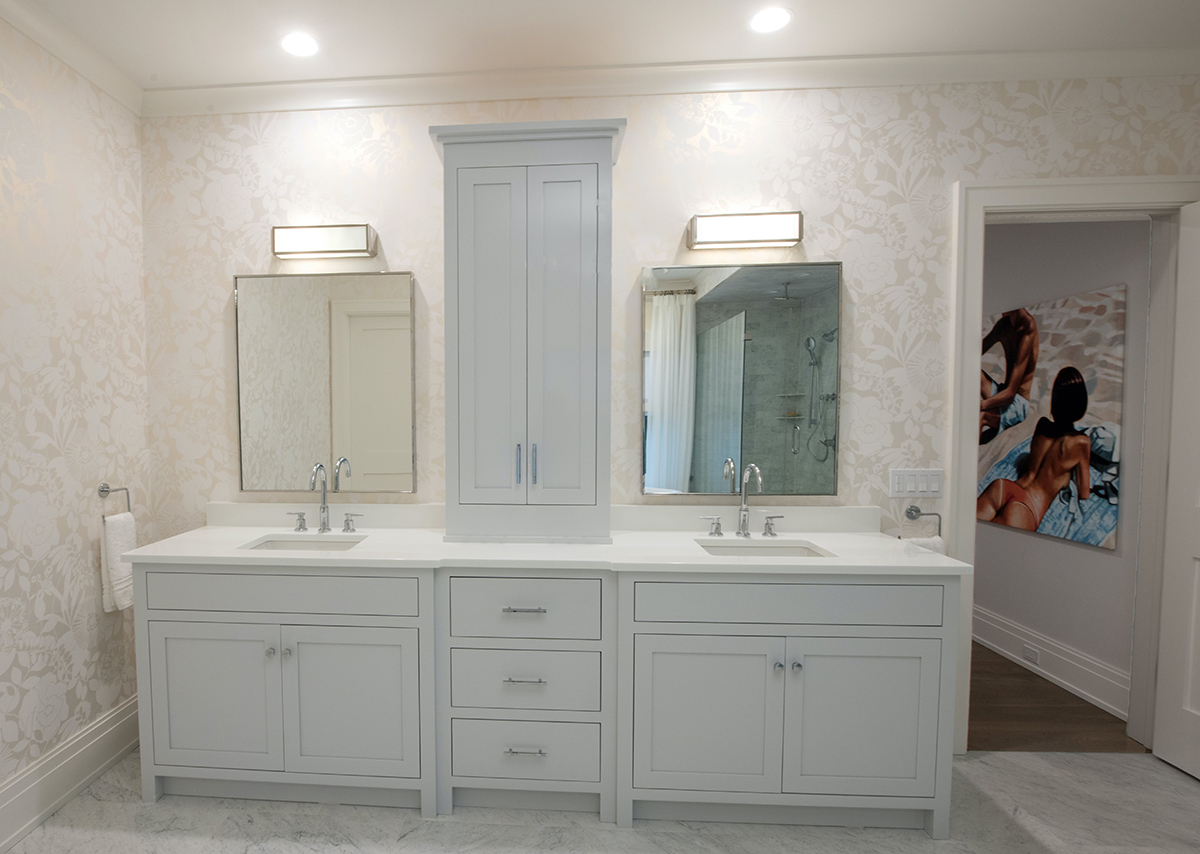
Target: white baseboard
x,y
33,794
1081,674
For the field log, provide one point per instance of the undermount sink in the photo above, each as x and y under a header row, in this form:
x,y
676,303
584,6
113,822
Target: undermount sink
x,y
764,547
304,543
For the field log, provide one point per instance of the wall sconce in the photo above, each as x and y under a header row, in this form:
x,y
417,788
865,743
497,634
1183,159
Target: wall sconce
x,y
745,231
323,241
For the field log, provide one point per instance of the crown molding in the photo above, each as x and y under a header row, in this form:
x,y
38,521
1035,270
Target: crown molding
x,y
669,79
48,32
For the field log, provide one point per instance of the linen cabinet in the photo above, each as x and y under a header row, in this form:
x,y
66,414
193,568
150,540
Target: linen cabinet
x,y
528,326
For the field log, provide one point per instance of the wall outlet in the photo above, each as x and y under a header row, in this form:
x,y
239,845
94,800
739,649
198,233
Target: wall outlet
x,y
916,483
1029,653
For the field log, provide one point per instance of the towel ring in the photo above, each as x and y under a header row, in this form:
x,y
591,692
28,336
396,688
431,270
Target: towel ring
x,y
913,513
104,490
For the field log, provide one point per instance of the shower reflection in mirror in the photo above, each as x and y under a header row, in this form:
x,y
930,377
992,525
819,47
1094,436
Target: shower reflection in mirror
x,y
741,366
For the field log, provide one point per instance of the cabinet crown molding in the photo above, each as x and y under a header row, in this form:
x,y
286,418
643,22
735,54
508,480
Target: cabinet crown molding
x,y
613,129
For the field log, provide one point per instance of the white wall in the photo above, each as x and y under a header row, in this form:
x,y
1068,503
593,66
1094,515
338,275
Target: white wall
x,y
1078,599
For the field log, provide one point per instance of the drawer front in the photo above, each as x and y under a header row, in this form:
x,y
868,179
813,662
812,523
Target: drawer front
x,y
282,594
812,604
556,608
525,679
510,749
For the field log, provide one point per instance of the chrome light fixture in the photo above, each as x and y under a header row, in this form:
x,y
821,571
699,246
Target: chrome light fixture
x,y
745,231
323,241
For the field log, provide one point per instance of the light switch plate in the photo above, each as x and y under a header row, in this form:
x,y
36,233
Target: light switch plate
x,y
915,483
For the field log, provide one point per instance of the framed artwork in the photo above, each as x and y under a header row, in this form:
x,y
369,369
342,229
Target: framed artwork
x,y
1050,396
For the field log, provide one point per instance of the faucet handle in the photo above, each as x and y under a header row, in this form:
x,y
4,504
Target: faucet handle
x,y
769,526
301,525
348,525
714,529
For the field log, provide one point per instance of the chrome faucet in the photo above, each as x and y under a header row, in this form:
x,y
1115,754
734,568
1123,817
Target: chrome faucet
x,y
744,512
337,473
730,474
312,484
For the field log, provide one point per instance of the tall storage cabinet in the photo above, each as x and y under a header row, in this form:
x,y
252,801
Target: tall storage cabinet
x,y
528,320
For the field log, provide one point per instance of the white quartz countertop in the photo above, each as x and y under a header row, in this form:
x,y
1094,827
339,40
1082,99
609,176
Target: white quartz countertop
x,y
630,551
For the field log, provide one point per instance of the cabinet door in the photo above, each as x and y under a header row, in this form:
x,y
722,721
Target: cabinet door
x,y
562,333
861,716
215,695
491,336
708,713
351,703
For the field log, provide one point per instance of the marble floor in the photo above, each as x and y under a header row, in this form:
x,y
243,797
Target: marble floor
x,y
1024,803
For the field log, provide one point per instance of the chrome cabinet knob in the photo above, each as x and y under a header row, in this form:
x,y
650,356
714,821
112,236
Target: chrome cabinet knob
x,y
796,665
287,652
270,652
779,665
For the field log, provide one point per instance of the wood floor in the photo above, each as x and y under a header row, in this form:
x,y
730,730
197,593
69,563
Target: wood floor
x,y
1015,709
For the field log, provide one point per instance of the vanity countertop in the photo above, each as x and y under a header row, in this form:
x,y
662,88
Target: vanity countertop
x,y
630,551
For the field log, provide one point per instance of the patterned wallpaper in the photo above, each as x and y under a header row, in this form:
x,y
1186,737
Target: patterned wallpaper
x,y
105,380
872,170
73,393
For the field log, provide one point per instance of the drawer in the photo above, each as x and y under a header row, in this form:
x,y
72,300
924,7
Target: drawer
x,y
556,608
525,750
813,604
282,594
525,679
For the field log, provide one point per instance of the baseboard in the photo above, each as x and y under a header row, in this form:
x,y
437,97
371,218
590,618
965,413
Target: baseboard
x,y
33,794
1081,674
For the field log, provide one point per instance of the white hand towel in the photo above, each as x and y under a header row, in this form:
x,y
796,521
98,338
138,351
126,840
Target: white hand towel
x,y
116,575
934,544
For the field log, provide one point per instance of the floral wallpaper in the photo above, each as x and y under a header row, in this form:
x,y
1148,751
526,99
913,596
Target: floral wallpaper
x,y
121,240
73,393
872,170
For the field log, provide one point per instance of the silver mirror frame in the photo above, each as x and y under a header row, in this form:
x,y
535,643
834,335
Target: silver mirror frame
x,y
412,300
646,293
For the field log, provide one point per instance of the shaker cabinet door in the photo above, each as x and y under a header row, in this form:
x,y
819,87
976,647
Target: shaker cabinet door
x,y
708,713
861,716
351,701
562,333
215,695
491,336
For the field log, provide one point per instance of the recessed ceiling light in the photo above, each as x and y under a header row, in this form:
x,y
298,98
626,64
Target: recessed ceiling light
x,y
300,44
770,20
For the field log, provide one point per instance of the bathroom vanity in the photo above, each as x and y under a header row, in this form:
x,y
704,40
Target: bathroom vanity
x,y
807,678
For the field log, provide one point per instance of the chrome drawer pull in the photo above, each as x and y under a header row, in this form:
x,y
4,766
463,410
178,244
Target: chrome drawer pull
x,y
512,681
512,752
524,610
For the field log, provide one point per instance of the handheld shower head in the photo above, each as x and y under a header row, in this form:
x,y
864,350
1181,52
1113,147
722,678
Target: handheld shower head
x,y
811,344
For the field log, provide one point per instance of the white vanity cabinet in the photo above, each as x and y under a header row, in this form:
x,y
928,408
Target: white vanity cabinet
x,y
287,683
526,698
809,697
528,320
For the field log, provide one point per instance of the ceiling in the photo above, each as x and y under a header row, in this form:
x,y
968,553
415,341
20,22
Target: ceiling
x,y
167,48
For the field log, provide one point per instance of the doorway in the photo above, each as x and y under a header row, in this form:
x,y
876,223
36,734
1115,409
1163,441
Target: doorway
x,y
1071,294
1162,197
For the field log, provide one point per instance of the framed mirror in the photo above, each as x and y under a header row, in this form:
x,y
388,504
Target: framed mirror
x,y
325,370
741,365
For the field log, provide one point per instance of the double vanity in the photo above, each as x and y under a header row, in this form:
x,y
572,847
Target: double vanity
x,y
805,678
527,644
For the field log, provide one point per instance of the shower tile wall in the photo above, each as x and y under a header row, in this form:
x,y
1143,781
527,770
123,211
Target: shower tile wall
x,y
776,368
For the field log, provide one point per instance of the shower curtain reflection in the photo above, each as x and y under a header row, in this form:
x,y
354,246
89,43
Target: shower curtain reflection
x,y
670,393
